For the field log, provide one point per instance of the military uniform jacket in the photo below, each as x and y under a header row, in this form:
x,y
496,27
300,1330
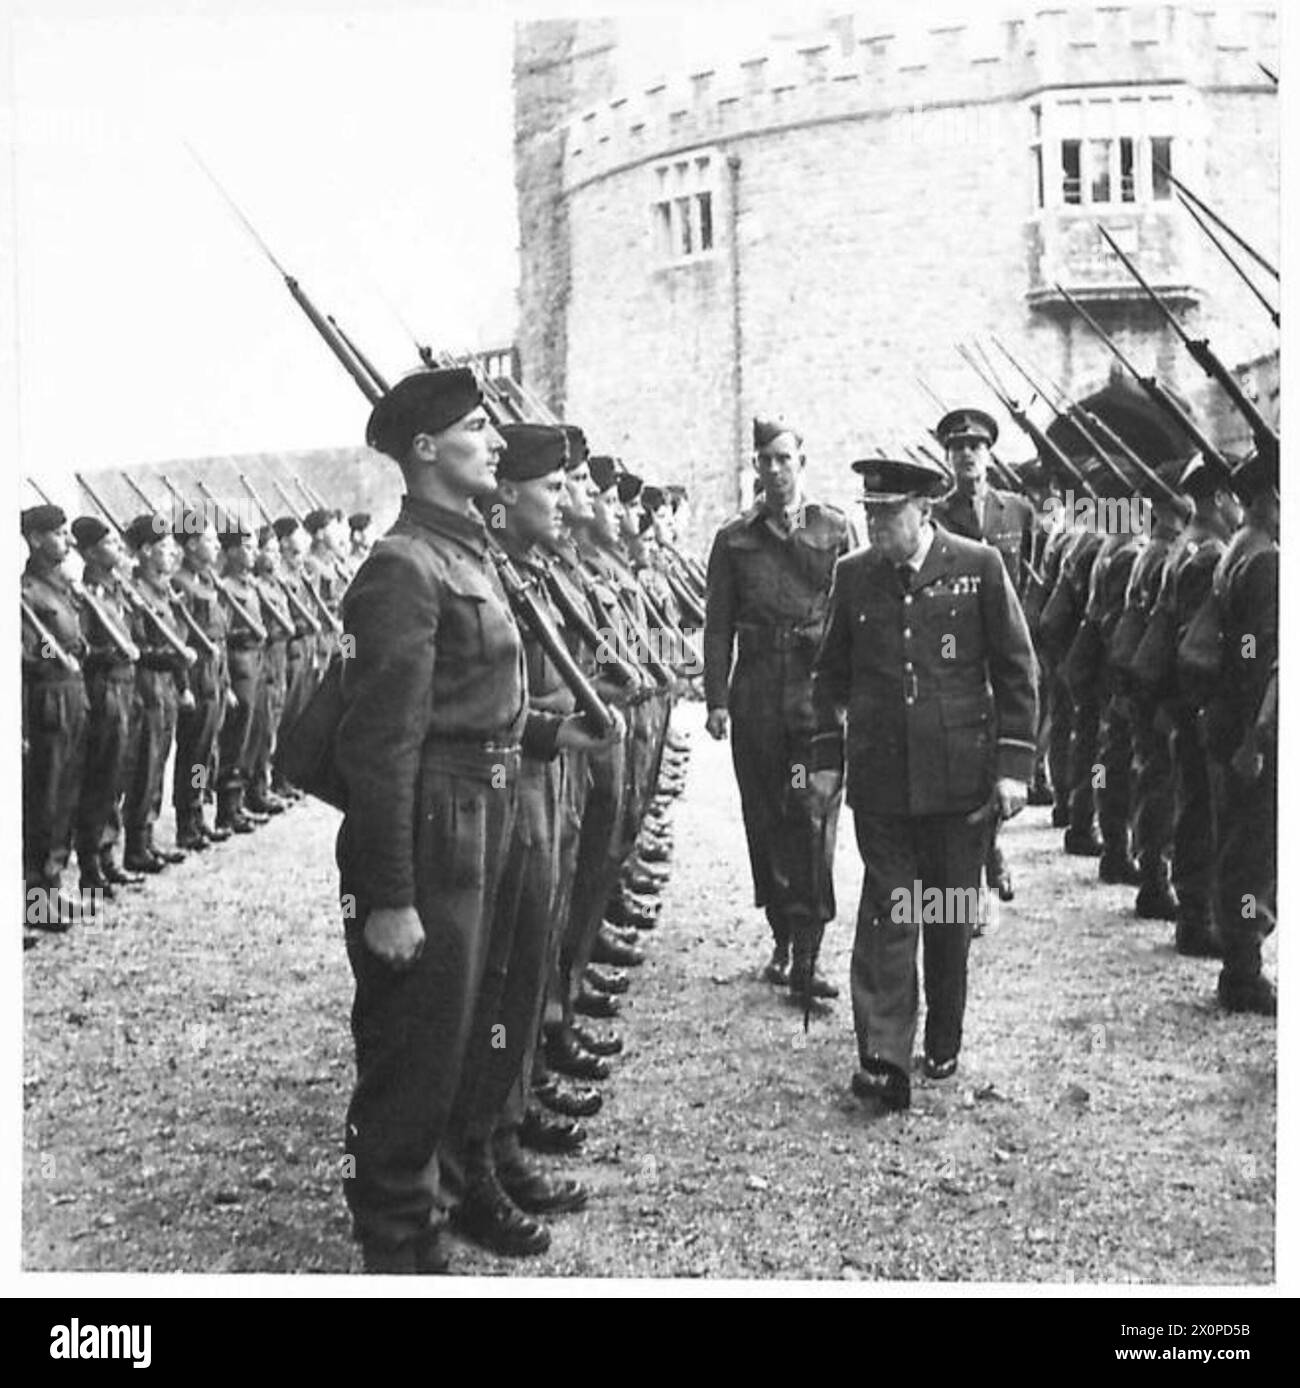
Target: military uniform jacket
x,y
766,605
547,691
1246,580
1006,523
103,652
47,592
437,659
938,683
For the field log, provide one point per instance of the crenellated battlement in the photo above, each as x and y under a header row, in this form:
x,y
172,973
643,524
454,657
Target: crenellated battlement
x,y
842,72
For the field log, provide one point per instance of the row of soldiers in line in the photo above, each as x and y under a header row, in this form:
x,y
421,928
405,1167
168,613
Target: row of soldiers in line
x,y
505,810
1159,650
178,642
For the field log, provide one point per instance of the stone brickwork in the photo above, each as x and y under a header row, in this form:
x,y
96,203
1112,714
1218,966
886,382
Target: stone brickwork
x,y
872,203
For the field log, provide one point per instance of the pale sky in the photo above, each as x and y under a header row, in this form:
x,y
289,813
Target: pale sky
x,y
370,141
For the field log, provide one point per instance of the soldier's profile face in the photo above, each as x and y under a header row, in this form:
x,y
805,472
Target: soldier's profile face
x,y
579,490
53,544
895,528
606,513
467,453
779,464
535,508
969,459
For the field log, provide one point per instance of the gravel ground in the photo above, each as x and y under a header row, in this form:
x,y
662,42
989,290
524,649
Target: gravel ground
x,y
187,1065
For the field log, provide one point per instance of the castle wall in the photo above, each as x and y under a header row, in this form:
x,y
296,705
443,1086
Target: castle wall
x,y
877,207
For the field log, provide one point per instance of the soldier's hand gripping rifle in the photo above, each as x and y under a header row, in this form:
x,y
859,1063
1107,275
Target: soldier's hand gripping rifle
x,y
326,612
135,599
1155,392
1266,439
231,601
51,647
286,625
296,604
108,623
202,641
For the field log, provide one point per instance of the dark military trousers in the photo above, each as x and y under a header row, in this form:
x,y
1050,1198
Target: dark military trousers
x,y
235,737
603,845
153,730
904,856
791,848
1115,756
110,693
1084,723
411,1027
55,713
508,1013
1247,872
1060,722
1195,848
1153,791
266,716
198,730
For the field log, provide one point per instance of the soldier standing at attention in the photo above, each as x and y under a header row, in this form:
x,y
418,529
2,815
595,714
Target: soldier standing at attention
x,y
55,712
768,579
927,652
161,689
434,720
199,728
981,512
245,660
110,691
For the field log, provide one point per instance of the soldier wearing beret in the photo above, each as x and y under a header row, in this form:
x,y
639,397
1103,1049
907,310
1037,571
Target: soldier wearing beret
x,y
359,537
979,511
282,627
161,690
110,673
245,659
434,719
55,712
924,687
300,653
1241,737
1185,585
769,577
525,512
198,729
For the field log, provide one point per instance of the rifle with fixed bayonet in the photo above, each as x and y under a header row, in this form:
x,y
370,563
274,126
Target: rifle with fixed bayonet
x,y
1045,447
134,598
1218,221
1083,422
326,612
286,625
296,604
1266,439
1155,392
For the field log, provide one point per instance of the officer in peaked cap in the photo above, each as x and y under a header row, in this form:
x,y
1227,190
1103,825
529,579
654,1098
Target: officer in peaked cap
x,y
979,511
769,576
927,651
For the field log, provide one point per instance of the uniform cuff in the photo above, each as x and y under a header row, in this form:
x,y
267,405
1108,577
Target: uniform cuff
x,y
1015,759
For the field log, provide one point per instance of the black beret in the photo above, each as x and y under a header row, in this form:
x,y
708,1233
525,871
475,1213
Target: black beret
x,y
286,525
629,486
604,470
768,428
1200,481
425,402
265,533
233,535
532,450
889,480
147,529
967,424
38,520
316,521
652,497
88,531
1257,474
578,450
192,522
359,520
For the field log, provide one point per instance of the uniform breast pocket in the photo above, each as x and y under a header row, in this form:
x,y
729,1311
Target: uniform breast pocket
x,y
451,846
968,739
